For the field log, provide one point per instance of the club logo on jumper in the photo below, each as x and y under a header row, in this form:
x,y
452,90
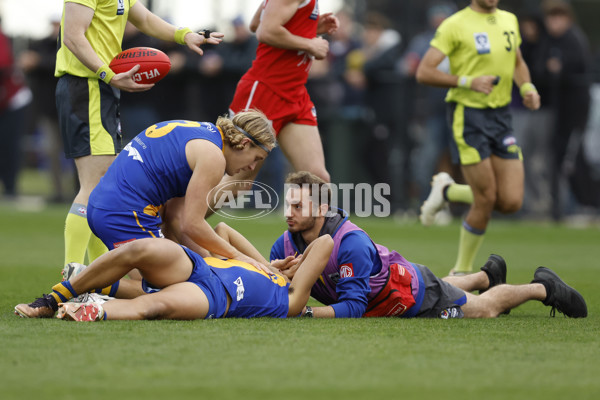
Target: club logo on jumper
x,y
239,292
482,42
314,15
133,153
121,7
228,198
150,74
346,271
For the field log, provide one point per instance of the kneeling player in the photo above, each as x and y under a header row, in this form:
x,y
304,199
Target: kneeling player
x,y
188,286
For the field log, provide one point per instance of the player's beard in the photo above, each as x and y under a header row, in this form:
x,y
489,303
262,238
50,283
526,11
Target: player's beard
x,y
303,226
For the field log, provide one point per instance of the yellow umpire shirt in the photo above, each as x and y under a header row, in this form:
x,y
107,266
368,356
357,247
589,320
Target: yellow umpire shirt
x,y
480,44
105,34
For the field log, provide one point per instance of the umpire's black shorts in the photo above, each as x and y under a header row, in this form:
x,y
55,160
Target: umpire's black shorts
x,y
88,114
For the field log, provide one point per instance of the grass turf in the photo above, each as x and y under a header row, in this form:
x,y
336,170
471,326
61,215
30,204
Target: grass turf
x,y
525,355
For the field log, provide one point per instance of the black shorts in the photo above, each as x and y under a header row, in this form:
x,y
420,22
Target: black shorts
x,y
478,133
88,113
441,300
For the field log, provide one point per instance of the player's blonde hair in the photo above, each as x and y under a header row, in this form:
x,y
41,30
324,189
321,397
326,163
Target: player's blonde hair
x,y
253,122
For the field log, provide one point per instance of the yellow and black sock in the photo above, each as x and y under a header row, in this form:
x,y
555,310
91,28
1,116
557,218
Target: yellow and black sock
x,y
109,290
63,292
77,234
468,246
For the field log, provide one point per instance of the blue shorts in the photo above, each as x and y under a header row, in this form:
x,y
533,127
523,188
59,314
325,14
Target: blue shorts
x,y
210,284
115,228
479,133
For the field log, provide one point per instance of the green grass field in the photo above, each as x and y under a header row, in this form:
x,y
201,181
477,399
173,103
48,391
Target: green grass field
x,y
526,355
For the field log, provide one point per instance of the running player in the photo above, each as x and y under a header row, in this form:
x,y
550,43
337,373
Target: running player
x,y
482,44
275,84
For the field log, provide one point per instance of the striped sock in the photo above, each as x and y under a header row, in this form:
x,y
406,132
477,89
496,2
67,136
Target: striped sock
x,y
109,290
63,292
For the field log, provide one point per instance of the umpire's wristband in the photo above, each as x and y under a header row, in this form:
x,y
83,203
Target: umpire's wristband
x,y
105,74
526,88
464,82
180,35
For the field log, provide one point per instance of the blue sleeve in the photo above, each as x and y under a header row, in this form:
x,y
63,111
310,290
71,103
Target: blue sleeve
x,y
357,259
278,250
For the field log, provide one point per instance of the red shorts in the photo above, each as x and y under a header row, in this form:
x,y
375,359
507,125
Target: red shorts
x,y
254,94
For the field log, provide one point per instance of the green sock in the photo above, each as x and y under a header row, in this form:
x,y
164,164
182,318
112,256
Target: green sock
x,y
77,234
95,248
459,193
468,246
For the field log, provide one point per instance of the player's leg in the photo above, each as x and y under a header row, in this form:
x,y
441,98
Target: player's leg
x,y
501,298
89,123
510,178
178,301
481,179
77,232
161,261
302,146
314,260
492,273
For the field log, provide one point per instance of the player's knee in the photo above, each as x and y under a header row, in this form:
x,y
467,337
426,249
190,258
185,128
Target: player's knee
x,y
509,206
138,250
221,229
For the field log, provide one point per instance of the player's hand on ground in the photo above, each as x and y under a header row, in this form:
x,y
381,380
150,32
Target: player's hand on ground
x,y
194,40
328,23
318,48
483,84
124,81
532,100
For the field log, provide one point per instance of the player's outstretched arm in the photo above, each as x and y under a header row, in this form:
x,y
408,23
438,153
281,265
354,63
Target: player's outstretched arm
x,y
152,25
311,266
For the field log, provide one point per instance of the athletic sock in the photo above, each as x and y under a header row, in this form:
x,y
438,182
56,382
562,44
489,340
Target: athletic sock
x,y
109,290
95,248
63,292
468,246
458,193
77,234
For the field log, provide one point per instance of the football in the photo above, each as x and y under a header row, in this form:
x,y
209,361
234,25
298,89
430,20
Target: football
x,y
154,64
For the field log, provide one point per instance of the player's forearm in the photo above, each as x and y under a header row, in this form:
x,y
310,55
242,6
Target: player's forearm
x,y
278,36
154,26
203,235
82,49
432,76
521,74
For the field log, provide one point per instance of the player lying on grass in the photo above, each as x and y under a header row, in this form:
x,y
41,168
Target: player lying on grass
x,y
183,285
366,279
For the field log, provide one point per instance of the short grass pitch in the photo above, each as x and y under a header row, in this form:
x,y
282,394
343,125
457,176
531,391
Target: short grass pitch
x,y
526,355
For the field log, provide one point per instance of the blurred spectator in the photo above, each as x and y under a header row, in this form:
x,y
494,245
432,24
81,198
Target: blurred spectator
x,y
567,69
38,64
380,52
534,130
14,97
432,138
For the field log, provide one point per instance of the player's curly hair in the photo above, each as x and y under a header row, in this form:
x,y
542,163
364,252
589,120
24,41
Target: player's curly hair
x,y
252,121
